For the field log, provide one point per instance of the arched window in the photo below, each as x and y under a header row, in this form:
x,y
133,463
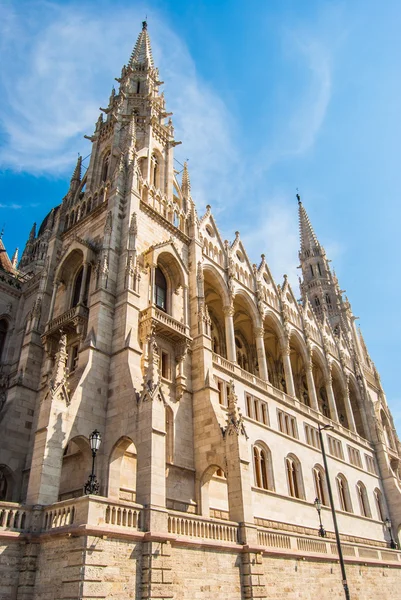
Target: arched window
x,y
105,167
294,476
379,504
3,485
328,300
317,301
343,493
3,334
363,499
242,358
154,171
66,223
320,484
77,288
262,466
160,290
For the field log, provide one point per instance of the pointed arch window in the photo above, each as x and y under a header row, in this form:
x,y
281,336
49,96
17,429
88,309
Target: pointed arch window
x,y
3,334
262,467
343,493
77,287
242,358
160,289
379,504
3,485
317,301
328,299
363,499
154,171
294,477
105,167
320,485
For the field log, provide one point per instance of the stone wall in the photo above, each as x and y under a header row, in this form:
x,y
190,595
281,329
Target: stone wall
x,y
72,567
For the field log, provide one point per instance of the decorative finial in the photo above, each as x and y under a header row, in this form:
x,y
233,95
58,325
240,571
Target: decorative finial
x,y
298,197
144,25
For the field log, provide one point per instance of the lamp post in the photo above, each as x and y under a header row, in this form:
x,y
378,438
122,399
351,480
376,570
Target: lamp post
x,y
92,485
318,506
393,544
333,512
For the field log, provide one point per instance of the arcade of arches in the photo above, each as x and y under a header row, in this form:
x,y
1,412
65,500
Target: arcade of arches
x,y
266,352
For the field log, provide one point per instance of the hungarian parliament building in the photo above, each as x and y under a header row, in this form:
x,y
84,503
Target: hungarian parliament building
x,y
174,423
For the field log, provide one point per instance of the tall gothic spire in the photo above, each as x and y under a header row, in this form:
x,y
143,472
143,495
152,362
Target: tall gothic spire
x,y
142,52
317,284
308,237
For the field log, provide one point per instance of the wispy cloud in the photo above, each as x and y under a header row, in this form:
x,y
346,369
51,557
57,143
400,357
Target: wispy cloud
x,y
277,236
303,115
11,206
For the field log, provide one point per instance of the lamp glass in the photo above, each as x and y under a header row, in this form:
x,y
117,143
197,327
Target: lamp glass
x,y
95,440
318,504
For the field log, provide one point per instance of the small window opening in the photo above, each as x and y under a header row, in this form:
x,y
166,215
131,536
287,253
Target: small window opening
x,y
165,365
160,289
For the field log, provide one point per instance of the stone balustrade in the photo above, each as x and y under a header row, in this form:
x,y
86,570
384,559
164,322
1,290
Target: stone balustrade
x,y
87,510
75,315
306,545
14,517
164,323
206,529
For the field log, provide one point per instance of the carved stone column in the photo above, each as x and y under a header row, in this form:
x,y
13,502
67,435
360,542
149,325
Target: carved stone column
x,y
311,387
83,283
348,410
331,400
289,380
230,337
260,350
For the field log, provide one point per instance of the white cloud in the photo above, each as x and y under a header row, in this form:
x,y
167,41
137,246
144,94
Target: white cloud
x,y
13,206
277,237
305,112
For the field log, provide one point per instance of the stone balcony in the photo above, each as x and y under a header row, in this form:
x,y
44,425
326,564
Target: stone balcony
x,y
164,324
74,319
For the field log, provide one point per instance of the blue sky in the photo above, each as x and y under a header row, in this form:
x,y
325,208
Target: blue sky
x,y
267,97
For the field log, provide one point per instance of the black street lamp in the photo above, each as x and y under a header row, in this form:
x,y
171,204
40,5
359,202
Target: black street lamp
x,y
318,506
393,544
92,485
333,512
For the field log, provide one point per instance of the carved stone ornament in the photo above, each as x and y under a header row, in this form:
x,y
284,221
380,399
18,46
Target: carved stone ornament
x,y
235,421
58,381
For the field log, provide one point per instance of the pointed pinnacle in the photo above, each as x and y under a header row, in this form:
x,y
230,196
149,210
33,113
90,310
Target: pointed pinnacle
x,y
14,260
308,236
76,176
142,52
186,184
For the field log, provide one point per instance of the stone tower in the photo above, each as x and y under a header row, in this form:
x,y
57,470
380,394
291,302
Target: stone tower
x,y
129,315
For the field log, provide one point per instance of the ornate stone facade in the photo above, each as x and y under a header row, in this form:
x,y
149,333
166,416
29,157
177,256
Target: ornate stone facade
x,y
207,381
